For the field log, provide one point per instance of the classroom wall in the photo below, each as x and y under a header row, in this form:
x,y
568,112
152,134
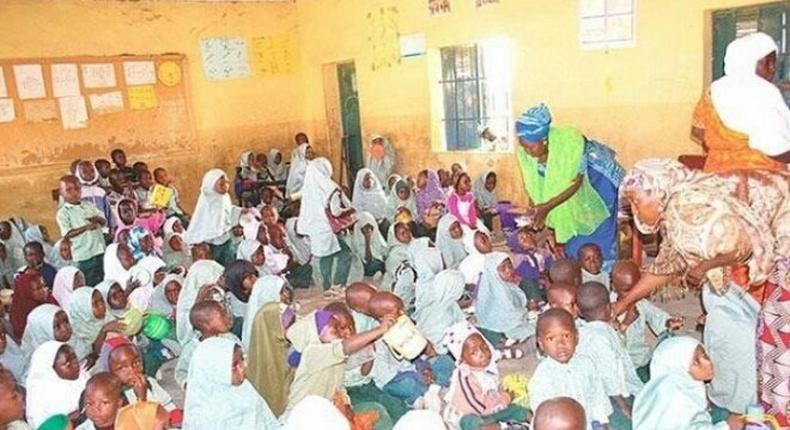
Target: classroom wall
x,y
638,100
229,116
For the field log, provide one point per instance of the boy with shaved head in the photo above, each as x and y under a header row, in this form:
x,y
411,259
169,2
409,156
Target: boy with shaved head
x,y
560,413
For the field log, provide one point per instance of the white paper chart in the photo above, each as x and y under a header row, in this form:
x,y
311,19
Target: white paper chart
x,y
3,89
73,112
101,75
225,58
7,113
107,102
65,80
29,81
139,72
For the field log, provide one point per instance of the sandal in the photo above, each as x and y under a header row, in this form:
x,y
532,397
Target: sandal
x,y
512,353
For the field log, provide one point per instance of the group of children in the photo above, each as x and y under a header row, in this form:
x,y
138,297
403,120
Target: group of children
x,y
136,282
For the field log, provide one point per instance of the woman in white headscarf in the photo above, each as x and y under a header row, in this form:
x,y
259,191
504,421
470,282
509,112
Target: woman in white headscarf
x,y
214,217
675,396
381,157
67,280
218,391
449,239
743,120
277,168
202,273
48,392
319,194
296,173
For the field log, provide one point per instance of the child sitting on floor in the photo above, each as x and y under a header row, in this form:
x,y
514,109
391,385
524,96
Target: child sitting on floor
x,y
101,400
12,413
461,202
210,319
567,271
54,383
562,372
475,399
125,363
635,321
163,178
532,255
560,413
601,344
563,296
591,261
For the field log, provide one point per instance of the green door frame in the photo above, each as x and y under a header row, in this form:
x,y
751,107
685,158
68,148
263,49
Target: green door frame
x,y
351,151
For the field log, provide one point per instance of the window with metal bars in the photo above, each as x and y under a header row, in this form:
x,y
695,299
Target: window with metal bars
x,y
475,85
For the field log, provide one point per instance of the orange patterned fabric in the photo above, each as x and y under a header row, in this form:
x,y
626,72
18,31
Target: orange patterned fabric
x,y
727,149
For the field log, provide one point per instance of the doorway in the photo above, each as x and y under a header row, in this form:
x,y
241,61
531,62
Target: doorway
x,y
351,143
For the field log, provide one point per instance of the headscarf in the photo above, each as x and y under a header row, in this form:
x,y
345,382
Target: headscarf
x,y
394,202
159,302
167,228
104,288
279,171
474,263
455,337
213,213
485,199
453,251
140,415
423,419
315,409
388,190
47,393
120,224
63,286
427,263
381,164
143,272
23,302
113,269
34,234
13,359
534,124
276,261
55,259
244,160
201,273
266,289
247,248
371,199
500,305
378,247
432,193
85,325
746,102
439,309
84,182
298,244
318,188
15,246
211,397
672,398
297,171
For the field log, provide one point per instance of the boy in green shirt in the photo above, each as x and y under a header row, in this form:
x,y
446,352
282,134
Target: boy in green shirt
x,y
81,222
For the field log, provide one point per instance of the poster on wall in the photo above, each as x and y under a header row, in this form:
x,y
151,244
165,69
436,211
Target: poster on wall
x,y
106,102
7,113
65,80
139,72
438,7
39,111
274,55
29,81
383,38
142,97
73,112
3,89
225,58
98,75
481,3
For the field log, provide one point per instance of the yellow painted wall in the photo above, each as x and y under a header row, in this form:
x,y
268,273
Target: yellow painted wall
x,y
638,100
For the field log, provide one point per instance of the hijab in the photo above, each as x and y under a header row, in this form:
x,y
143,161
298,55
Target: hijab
x,y
144,272
297,243
15,246
213,213
85,325
485,199
201,273
266,290
211,397
63,287
104,288
746,102
168,227
500,305
427,263
23,302
279,171
388,190
113,269
394,202
247,248
315,409
159,302
472,266
423,419
34,234
55,259
40,327
381,164
297,171
453,251
672,398
378,247
318,188
12,359
439,309
371,199
47,393
432,193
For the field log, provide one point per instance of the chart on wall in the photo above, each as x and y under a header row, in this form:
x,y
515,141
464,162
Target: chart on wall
x,y
383,38
274,55
53,110
224,58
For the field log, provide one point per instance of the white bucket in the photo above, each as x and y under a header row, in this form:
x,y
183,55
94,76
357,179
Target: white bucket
x,y
404,340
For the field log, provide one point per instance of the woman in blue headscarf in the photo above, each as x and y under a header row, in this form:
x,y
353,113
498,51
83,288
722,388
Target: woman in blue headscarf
x,y
572,183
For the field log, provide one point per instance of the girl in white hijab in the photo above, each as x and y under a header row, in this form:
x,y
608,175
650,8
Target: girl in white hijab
x,y
247,165
277,167
90,320
477,245
67,280
501,306
60,255
675,397
401,197
38,233
316,409
214,216
439,308
53,383
161,300
218,391
381,157
202,272
115,267
296,173
749,103
368,195
373,241
41,327
449,239
266,289
319,194
427,263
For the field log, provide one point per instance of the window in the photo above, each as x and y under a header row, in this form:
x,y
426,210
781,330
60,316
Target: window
x,y
607,24
771,19
475,88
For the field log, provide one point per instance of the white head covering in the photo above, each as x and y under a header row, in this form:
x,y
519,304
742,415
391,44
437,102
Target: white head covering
x,y
394,202
276,261
211,398
63,286
370,199
423,419
244,159
485,199
314,409
298,244
201,273
54,258
85,182
247,248
297,170
266,289
318,188
749,104
427,263
104,289
500,305
34,234
140,297
85,325
213,212
382,168
672,398
279,171
472,266
15,246
378,247
167,228
456,335
439,309
113,269
13,360
47,393
250,225
159,302
39,327
387,189
453,250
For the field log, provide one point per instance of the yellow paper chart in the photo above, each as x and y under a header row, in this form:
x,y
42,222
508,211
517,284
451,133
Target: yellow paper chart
x,y
169,73
142,97
383,38
160,196
274,55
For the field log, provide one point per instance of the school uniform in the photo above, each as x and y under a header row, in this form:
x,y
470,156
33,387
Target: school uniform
x,y
87,249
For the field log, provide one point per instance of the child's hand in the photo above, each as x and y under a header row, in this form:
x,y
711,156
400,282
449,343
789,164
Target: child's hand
x,y
675,323
114,326
505,397
139,385
386,323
